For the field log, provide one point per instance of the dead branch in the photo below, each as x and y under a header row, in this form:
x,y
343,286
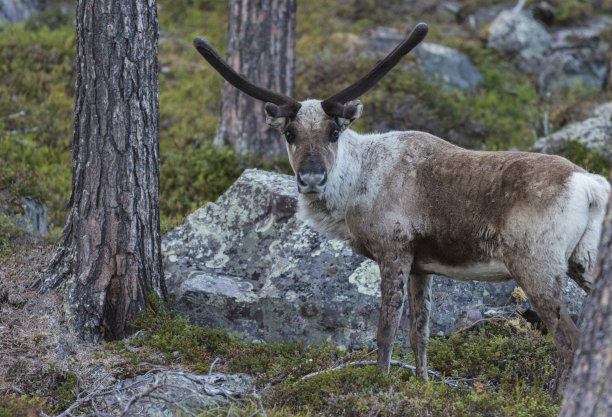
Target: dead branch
x,y
372,362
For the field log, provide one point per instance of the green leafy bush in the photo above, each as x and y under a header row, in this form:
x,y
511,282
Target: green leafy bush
x,y
36,99
9,233
593,160
37,96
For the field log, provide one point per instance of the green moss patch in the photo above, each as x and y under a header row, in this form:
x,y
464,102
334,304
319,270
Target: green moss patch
x,y
20,406
505,367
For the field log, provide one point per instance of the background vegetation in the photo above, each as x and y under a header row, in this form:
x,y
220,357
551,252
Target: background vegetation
x,y
37,95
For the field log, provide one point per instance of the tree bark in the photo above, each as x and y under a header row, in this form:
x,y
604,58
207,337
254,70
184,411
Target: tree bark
x,y
109,259
261,39
589,391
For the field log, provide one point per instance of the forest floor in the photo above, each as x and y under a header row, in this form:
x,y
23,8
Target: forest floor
x,y
41,359
505,367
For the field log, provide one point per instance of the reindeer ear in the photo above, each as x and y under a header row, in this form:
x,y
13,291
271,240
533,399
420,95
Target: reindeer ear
x,y
352,111
276,117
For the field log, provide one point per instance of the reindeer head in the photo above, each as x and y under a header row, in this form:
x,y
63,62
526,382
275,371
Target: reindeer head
x,y
312,128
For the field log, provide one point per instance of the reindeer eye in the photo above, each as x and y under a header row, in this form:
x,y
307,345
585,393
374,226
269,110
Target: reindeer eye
x,y
289,135
334,135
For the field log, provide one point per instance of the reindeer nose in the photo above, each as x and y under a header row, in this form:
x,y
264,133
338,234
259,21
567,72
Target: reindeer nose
x,y
311,181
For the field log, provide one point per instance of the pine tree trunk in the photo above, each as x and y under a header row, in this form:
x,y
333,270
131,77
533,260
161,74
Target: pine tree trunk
x,y
589,391
109,258
261,39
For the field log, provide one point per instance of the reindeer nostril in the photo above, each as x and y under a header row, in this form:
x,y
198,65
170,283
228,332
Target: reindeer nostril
x,y
324,180
300,180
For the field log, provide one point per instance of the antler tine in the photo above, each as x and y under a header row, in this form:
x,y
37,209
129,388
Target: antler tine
x,y
334,106
285,106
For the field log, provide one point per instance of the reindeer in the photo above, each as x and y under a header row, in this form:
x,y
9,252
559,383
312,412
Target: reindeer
x,y
418,205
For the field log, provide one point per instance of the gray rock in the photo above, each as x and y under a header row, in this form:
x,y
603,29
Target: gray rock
x,y
585,66
246,264
14,11
594,132
578,35
164,392
578,56
26,213
520,36
381,41
450,9
485,15
449,67
34,219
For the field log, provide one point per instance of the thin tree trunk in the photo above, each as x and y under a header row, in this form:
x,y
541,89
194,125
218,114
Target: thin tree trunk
x,y
109,258
261,39
589,391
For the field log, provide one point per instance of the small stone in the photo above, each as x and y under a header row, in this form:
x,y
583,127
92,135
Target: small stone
x,y
474,315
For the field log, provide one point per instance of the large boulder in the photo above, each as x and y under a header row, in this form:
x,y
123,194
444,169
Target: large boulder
x,y
520,36
584,65
247,264
34,219
449,67
27,213
579,55
594,133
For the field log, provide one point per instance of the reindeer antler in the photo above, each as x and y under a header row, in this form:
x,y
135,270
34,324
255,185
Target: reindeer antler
x,y
335,105
277,105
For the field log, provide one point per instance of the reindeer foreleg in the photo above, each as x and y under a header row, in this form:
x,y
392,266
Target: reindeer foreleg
x,y
394,274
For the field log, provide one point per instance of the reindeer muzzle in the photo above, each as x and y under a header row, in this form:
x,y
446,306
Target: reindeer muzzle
x,y
311,181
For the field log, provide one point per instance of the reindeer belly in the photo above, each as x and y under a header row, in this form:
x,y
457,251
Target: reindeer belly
x,y
493,271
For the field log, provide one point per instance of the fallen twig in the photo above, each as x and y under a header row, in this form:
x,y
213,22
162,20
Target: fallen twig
x,y
212,365
366,363
137,397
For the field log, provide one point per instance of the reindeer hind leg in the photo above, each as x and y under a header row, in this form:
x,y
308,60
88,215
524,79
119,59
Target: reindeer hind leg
x,y
543,286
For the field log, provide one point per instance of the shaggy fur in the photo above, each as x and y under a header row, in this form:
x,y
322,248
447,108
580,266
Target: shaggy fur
x,y
418,205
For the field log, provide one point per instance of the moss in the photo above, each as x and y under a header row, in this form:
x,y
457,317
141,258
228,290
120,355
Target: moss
x,y
22,406
593,160
10,233
315,393
507,363
569,11
493,351
61,386
198,347
55,391
36,98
